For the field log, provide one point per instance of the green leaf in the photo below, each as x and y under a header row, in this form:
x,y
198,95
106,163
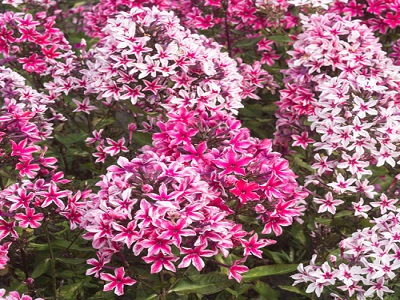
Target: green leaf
x,y
266,291
280,38
269,270
378,171
41,268
295,289
70,291
299,162
72,261
142,138
344,213
206,284
69,139
270,108
248,42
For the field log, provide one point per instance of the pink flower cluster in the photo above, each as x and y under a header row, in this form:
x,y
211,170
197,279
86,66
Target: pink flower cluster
x,y
379,15
24,122
341,98
369,260
240,15
31,41
187,193
145,57
15,296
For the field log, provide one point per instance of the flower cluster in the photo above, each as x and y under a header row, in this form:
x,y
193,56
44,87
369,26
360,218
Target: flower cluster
x,y
149,60
239,15
15,296
369,260
184,192
31,41
23,124
343,83
379,15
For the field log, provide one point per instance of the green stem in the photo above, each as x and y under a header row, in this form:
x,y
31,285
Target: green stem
x,y
74,240
1,183
53,262
163,295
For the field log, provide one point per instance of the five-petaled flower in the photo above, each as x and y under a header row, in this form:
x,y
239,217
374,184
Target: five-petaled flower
x,y
117,282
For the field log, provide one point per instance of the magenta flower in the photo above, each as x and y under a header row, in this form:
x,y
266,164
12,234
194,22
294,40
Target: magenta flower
x,y
236,270
245,191
29,218
117,282
231,163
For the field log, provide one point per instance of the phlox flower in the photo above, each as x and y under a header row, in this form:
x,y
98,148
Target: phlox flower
x,y
117,281
29,218
360,209
236,270
328,203
83,106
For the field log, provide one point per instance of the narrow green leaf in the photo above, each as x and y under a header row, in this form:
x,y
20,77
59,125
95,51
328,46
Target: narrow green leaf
x,y
206,284
69,139
344,213
294,289
247,42
72,261
41,268
70,291
269,270
266,291
280,38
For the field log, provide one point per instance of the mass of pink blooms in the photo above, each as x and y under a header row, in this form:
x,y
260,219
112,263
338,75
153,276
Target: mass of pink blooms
x,y
178,73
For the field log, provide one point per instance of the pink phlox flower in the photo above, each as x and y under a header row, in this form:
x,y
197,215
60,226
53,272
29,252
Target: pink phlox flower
x,y
25,168
362,187
53,195
342,185
23,150
363,108
196,154
302,140
322,164
274,223
29,218
353,163
182,134
83,106
32,64
154,245
98,264
22,199
194,256
377,287
117,282
253,245
236,270
349,275
115,147
163,195
245,191
231,163
7,228
128,234
328,203
385,204
384,267
175,230
360,209
159,261
100,154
